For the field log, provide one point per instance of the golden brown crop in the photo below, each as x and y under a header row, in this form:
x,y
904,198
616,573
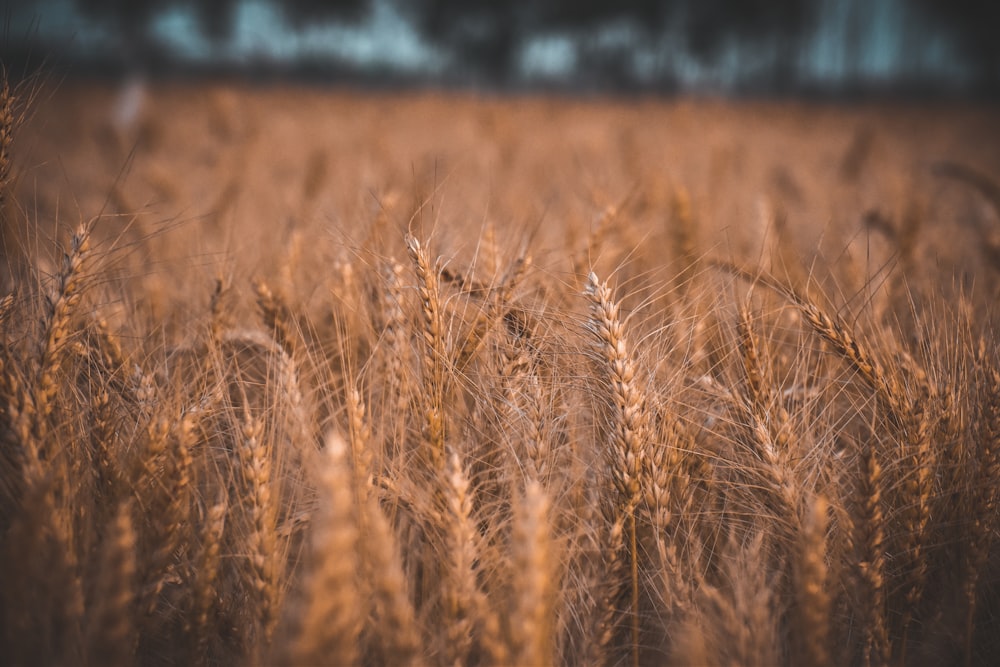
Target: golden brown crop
x,y
420,379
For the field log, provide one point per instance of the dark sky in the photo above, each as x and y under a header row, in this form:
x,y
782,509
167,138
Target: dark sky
x,y
701,45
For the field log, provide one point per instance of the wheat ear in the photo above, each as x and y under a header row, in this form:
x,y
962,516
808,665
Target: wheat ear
x,y
985,494
397,621
461,592
531,618
869,539
206,577
255,464
7,122
276,316
110,625
435,351
813,597
328,624
629,423
169,525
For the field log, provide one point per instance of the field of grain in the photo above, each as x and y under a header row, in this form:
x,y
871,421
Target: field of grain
x,y
293,376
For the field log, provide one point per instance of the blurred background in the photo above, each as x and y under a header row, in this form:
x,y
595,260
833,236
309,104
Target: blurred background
x,y
741,47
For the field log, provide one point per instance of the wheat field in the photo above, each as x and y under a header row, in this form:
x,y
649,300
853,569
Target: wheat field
x,y
306,377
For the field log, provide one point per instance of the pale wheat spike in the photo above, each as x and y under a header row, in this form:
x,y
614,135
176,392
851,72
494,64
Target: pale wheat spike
x,y
397,624
919,493
767,423
397,351
361,454
7,122
6,306
460,589
275,314
110,625
255,464
760,383
684,233
435,350
602,623
534,579
629,424
206,577
522,395
813,597
869,539
985,496
328,623
146,471
63,303
489,250
175,484
840,336
537,443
